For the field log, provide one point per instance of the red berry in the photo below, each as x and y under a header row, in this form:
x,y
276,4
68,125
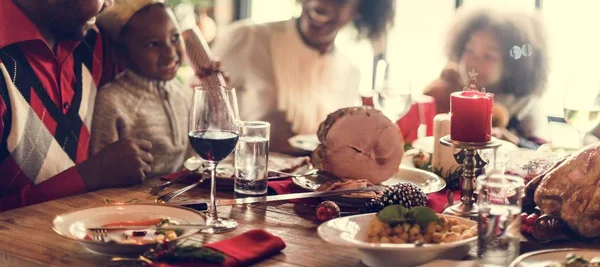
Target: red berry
x,y
524,229
530,220
523,217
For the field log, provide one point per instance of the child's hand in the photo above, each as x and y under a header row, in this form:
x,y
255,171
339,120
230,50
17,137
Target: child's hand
x,y
213,68
121,163
504,134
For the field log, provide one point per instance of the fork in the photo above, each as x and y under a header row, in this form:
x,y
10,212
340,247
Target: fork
x,y
168,197
99,235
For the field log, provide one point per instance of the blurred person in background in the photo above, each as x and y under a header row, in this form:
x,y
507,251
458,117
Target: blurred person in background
x,y
507,48
290,73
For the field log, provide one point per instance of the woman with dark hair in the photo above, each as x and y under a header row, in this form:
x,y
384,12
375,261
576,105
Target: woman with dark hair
x,y
507,48
289,73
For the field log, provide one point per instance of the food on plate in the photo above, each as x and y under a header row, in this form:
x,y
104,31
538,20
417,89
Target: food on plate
x,y
333,183
141,236
359,143
573,260
420,225
570,191
150,222
405,194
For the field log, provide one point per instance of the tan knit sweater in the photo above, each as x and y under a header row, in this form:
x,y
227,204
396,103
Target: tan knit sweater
x,y
132,106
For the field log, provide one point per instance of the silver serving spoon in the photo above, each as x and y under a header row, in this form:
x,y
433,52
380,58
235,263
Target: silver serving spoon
x,y
192,164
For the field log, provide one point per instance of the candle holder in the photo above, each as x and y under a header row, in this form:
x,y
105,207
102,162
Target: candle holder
x,y
467,207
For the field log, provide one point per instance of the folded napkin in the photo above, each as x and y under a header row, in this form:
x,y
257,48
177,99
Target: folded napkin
x,y
242,250
436,201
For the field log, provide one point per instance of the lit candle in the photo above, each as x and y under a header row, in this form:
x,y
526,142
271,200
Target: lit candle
x,y
471,113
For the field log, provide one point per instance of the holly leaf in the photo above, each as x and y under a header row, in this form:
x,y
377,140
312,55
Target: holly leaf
x,y
423,216
393,214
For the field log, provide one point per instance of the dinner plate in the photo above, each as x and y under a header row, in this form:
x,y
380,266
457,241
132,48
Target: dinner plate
x,y
429,182
426,144
352,232
546,257
306,142
74,225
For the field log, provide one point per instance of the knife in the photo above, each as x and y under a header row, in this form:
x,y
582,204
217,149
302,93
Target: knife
x,y
201,205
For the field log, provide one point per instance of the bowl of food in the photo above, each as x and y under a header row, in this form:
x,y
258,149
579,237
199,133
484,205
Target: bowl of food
x,y
145,218
401,237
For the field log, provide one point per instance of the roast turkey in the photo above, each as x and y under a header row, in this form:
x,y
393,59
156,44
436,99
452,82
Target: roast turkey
x,y
571,191
359,143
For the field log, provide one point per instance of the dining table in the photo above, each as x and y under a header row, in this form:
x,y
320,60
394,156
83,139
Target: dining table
x,y
27,237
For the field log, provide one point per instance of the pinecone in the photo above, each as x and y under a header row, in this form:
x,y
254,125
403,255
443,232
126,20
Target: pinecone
x,y
406,194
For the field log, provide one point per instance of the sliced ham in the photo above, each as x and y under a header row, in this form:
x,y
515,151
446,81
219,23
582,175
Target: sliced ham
x,y
359,143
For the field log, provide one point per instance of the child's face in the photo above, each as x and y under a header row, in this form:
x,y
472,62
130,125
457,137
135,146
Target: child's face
x,y
153,44
482,53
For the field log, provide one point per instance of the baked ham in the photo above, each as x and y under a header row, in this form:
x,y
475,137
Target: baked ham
x,y
571,191
359,143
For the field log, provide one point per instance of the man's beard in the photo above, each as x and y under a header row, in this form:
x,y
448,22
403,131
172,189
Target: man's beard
x,y
75,34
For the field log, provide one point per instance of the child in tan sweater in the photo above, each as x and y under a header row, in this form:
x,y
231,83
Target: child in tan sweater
x,y
145,101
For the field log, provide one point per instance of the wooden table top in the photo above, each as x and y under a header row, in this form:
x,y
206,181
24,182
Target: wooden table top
x,y
27,238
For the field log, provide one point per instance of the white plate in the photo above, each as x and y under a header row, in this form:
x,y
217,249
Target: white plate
x,y
352,232
429,182
545,257
73,225
426,145
307,142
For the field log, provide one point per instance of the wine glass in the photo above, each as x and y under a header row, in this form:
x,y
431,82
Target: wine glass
x,y
214,133
582,108
394,102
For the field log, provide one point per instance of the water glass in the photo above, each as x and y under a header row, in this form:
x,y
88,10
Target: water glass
x,y
499,227
252,158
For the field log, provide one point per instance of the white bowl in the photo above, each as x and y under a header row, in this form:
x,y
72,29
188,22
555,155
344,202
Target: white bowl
x,y
74,225
352,232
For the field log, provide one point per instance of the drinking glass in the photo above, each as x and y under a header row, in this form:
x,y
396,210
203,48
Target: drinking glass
x,y
582,107
499,227
214,132
252,158
394,102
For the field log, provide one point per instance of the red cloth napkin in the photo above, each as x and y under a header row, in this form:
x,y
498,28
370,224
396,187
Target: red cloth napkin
x,y
286,186
437,201
242,250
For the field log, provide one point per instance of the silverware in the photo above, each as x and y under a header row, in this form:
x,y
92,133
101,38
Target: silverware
x,y
166,227
154,190
283,175
192,164
100,235
201,205
168,197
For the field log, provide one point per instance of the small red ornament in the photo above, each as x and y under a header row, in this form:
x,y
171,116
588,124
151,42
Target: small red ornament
x,y
327,210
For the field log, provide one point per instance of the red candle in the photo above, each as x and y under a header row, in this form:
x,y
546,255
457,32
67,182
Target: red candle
x,y
471,114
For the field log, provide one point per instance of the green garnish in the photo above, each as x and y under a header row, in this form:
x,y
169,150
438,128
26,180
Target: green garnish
x,y
396,214
393,214
185,254
423,216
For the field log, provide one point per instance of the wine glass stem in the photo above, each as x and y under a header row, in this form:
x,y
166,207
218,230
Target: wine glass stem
x,y
212,211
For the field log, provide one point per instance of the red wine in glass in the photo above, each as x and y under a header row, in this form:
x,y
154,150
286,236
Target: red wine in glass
x,y
213,145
